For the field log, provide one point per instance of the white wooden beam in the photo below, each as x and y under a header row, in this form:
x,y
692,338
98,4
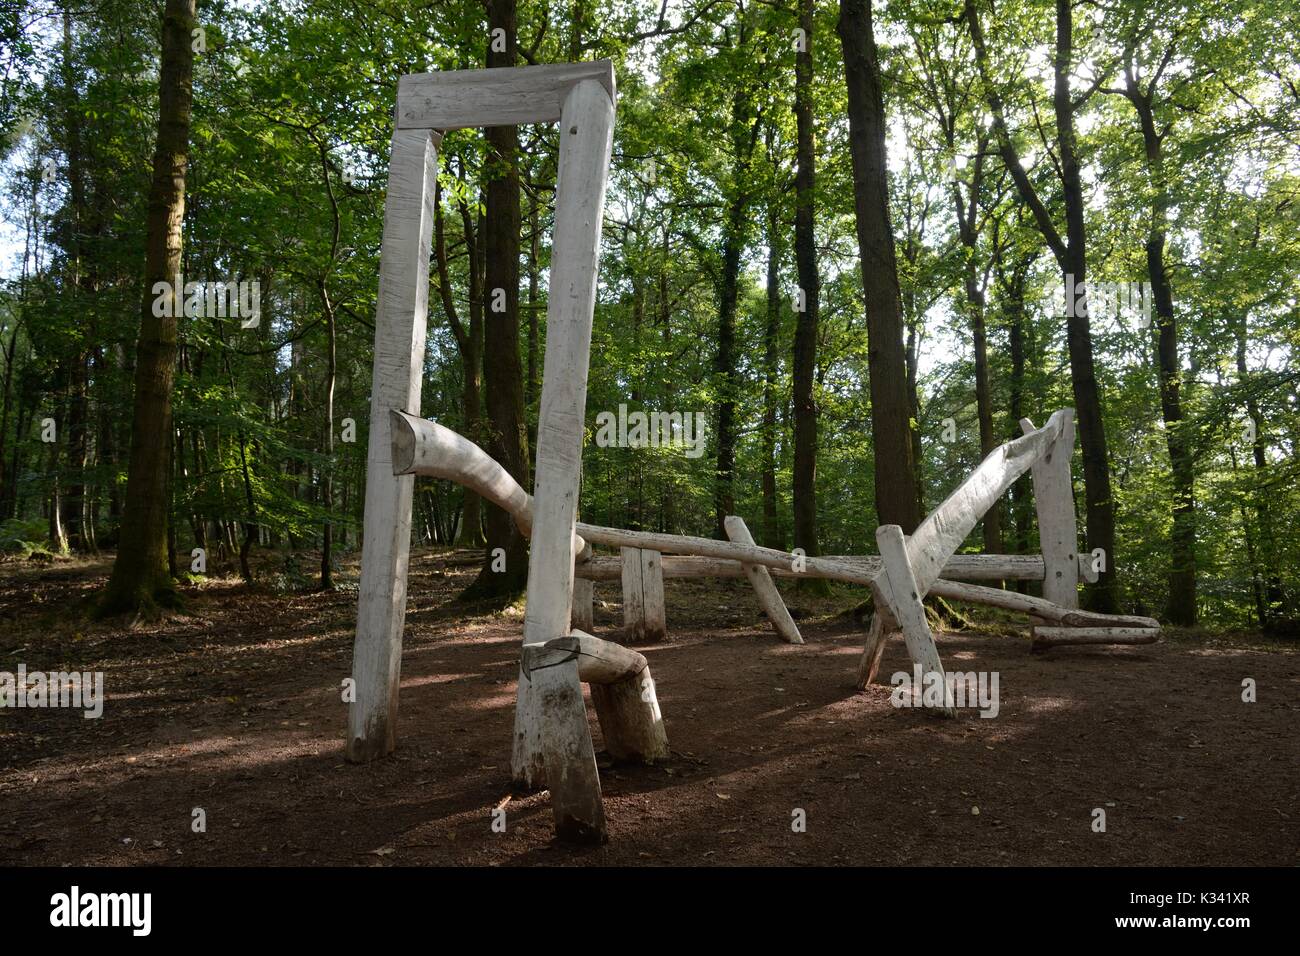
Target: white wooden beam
x,y
552,739
633,595
1054,503
509,96
902,594
400,325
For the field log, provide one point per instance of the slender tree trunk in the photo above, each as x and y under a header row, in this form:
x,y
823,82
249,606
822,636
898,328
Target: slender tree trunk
x,y
771,334
502,370
891,427
141,574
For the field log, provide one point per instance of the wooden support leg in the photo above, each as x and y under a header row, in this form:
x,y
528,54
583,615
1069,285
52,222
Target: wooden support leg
x,y
552,739
879,632
584,597
399,365
769,598
655,614
1054,504
898,588
630,719
633,595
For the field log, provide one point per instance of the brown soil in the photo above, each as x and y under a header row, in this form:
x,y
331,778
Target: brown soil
x,y
235,708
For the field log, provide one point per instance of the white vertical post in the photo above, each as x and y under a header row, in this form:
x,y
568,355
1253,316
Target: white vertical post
x,y
1058,533
652,596
633,595
584,612
558,744
400,319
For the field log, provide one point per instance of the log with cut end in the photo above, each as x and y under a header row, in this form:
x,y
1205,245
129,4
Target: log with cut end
x,y
1036,607
1045,637
622,691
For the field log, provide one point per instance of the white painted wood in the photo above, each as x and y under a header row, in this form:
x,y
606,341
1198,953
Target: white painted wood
x,y
584,599
509,96
1054,503
622,692
1035,606
630,719
944,530
769,598
400,325
423,447
599,662
960,567
551,734
900,592
633,600
654,611
1045,637
567,753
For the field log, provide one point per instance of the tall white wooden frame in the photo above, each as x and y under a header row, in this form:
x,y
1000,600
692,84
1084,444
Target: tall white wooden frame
x,y
581,96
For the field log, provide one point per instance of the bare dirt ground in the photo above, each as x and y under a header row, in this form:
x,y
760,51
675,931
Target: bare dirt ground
x,y
235,708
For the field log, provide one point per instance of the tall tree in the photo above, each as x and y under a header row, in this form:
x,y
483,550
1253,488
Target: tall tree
x,y
1070,253
891,423
503,374
805,329
141,572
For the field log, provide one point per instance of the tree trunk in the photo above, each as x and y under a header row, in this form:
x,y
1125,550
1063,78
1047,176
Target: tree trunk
x,y
804,484
502,370
891,427
771,335
140,572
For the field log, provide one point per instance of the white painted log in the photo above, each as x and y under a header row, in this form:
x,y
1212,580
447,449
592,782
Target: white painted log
x,y
630,719
584,595
898,590
423,447
599,662
1045,637
654,611
400,326
559,733
769,598
1054,503
633,599
945,529
1035,606
622,692
962,567
510,96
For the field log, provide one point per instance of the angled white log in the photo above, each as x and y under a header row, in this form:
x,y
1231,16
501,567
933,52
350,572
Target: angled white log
x,y
400,326
943,531
1035,606
1058,534
769,598
960,567
899,590
552,739
510,96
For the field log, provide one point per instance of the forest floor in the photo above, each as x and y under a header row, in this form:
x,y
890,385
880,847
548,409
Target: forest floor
x,y
235,707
